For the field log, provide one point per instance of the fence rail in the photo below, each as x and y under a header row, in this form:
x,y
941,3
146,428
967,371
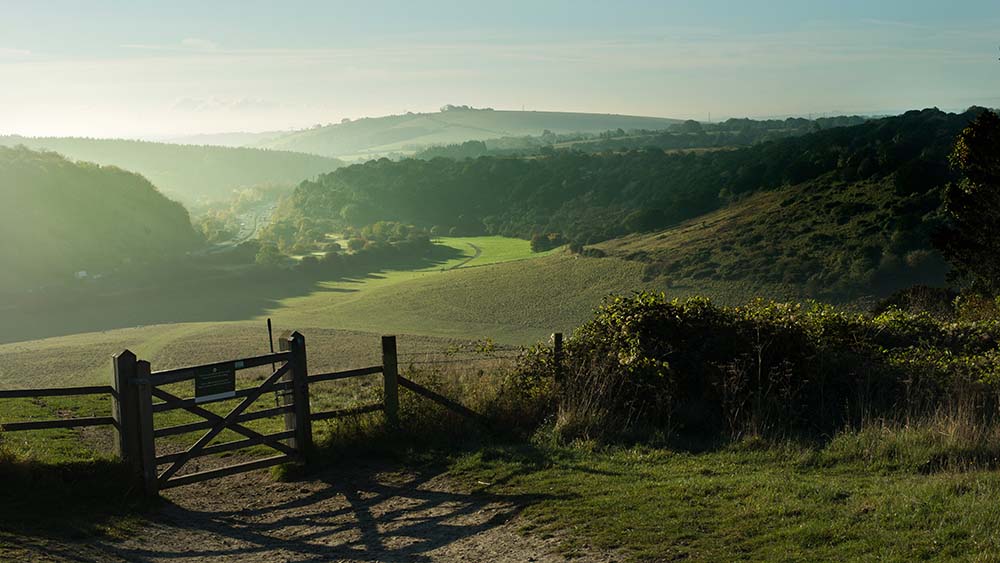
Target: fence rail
x,y
57,392
353,411
76,422
177,375
345,374
80,422
135,386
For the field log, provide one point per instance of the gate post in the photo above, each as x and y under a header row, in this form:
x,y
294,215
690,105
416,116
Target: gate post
x,y
147,443
125,411
390,378
301,419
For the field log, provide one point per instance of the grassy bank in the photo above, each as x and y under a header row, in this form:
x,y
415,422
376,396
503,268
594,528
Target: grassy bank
x,y
745,502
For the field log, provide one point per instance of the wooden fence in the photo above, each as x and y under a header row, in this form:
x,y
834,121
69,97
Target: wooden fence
x,y
135,386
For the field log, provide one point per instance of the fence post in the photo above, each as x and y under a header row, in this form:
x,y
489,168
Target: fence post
x,y
125,411
390,377
301,417
147,444
557,356
284,396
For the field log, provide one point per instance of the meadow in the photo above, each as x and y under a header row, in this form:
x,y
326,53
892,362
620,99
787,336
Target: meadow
x,y
875,493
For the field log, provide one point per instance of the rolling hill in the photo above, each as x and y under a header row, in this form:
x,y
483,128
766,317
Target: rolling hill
x,y
61,217
189,173
396,133
825,239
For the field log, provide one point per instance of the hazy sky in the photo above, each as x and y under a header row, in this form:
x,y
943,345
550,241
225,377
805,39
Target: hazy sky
x,y
144,68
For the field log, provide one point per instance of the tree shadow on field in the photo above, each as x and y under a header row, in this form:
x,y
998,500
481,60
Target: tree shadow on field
x,y
183,294
43,504
361,515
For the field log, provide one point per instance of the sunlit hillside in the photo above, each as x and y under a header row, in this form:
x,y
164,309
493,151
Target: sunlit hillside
x,y
189,173
63,219
410,131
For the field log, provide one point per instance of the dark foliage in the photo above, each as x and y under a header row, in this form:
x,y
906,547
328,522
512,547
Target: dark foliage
x,y
62,217
645,363
972,241
590,197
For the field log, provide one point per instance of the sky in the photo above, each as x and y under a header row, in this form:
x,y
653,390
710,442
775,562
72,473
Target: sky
x,y
139,68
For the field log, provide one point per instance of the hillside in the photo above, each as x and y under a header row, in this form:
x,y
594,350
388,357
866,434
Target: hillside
x,y
232,139
867,196
394,133
61,217
593,197
728,134
825,239
189,173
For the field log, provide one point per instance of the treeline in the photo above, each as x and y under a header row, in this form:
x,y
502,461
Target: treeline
x,y
61,220
379,245
193,174
593,197
647,366
687,135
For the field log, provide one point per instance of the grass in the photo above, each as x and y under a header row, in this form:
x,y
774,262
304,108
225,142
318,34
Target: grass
x,y
493,250
507,294
821,239
743,502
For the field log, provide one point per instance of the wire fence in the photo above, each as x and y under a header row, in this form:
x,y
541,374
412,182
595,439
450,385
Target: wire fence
x,y
492,354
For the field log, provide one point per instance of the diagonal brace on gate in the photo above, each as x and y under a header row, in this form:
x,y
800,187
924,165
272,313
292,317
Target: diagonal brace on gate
x,y
226,422
212,417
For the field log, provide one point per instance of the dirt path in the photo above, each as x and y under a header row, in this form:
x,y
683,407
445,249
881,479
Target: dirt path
x,y
367,514
477,252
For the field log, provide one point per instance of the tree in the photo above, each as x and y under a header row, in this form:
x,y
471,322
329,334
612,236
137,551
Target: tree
x,y
690,126
972,240
645,220
269,255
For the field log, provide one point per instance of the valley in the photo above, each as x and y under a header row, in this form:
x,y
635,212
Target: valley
x,y
461,282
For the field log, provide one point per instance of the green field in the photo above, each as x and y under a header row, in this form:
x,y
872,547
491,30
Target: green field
x,y
502,292
748,502
506,293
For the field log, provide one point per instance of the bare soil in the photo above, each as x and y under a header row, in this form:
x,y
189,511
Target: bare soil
x,y
367,513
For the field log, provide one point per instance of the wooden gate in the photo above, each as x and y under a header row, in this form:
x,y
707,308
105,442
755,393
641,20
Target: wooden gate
x,y
135,387
217,382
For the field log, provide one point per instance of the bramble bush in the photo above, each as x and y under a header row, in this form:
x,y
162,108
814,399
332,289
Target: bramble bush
x,y
645,363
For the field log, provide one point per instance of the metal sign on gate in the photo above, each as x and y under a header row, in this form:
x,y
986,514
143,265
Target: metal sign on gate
x,y
215,383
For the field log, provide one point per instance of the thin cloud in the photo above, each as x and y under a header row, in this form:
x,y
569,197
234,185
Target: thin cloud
x,y
188,44
10,53
200,44
214,103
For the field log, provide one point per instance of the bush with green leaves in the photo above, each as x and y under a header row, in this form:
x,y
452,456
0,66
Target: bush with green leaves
x,y
645,363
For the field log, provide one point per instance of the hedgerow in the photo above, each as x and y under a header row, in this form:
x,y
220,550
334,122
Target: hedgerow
x,y
688,366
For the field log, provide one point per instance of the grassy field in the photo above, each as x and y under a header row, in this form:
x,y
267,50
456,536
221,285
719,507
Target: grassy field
x,y
506,293
858,497
746,502
502,292
342,321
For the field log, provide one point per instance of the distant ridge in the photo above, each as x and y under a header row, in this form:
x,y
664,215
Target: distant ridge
x,y
66,219
192,174
405,133
233,139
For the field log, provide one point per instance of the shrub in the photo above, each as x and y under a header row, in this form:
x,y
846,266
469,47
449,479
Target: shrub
x,y
645,363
